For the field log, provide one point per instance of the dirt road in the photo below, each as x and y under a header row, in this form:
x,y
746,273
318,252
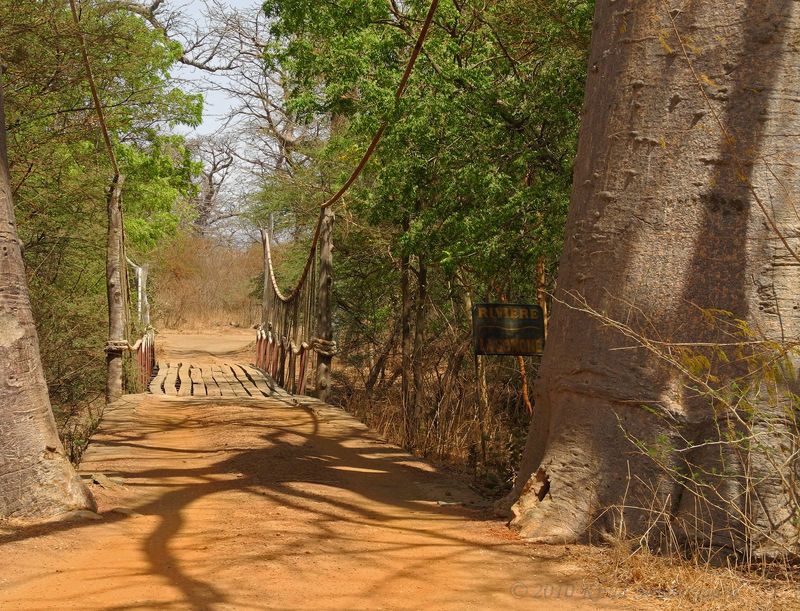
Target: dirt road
x,y
270,504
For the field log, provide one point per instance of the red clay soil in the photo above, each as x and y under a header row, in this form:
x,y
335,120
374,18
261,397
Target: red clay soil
x,y
281,503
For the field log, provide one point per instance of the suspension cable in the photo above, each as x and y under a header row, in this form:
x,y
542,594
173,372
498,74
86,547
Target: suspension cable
x,y
123,271
364,159
93,87
398,94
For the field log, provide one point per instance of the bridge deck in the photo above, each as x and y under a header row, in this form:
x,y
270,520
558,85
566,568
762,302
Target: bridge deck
x,y
178,379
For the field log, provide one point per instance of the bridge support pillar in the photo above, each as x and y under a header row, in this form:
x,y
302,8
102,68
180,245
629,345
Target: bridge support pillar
x,y
116,288
324,322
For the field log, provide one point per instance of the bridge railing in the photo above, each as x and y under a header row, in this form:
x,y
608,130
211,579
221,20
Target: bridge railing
x,y
145,357
140,362
296,331
288,329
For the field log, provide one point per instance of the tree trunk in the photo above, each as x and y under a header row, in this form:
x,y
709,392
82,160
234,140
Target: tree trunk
x,y
324,322
145,314
482,408
116,290
541,291
685,144
405,342
380,364
419,342
36,479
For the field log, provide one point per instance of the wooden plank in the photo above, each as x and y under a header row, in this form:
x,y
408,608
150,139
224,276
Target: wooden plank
x,y
212,388
225,388
157,383
258,379
229,380
247,385
257,389
186,381
172,377
198,386
235,383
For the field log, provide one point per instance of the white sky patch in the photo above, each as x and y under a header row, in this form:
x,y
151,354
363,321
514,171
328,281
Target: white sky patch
x,y
216,104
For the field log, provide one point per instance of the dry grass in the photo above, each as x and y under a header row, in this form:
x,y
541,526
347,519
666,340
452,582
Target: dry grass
x,y
201,284
624,571
451,433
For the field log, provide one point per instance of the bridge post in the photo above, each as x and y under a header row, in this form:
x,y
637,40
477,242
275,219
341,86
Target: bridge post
x,y
116,290
145,311
266,235
324,322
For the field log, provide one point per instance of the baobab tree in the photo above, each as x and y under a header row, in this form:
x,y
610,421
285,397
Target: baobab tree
x,y
666,398
36,479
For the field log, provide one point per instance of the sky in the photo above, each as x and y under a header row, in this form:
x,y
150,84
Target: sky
x,y
216,104
215,107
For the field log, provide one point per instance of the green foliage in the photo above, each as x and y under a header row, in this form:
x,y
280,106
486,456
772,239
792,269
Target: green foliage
x,y
158,174
471,180
60,168
478,155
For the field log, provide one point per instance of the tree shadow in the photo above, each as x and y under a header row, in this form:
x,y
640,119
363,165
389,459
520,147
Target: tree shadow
x,y
322,468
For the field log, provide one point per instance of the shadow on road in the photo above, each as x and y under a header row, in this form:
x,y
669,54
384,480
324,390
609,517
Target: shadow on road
x,y
278,491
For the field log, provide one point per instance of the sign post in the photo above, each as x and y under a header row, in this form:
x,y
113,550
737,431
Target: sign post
x,y
508,328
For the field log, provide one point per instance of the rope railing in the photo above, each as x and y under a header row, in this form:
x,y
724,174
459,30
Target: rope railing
x,y
296,325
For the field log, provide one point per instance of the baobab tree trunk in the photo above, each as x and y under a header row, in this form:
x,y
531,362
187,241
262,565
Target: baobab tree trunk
x,y
36,479
683,208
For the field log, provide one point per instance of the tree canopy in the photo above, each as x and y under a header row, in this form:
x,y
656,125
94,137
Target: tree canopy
x,y
60,169
478,154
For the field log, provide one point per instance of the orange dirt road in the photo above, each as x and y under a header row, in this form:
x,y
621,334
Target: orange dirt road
x,y
279,503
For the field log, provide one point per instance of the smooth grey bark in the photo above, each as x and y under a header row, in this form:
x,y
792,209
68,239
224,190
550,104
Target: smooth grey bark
x,y
681,139
36,479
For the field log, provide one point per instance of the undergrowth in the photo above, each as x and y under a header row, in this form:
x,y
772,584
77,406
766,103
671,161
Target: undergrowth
x,y
451,432
76,423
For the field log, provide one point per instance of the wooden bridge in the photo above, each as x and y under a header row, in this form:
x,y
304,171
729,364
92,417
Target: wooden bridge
x,y
295,335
